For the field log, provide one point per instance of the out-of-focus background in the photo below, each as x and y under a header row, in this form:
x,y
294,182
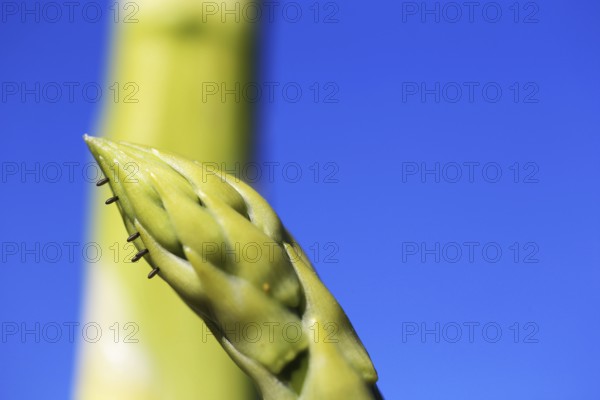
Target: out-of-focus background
x,y
438,161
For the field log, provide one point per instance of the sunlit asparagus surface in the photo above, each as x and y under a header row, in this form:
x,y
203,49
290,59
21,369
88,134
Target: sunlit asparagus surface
x,y
165,56
191,223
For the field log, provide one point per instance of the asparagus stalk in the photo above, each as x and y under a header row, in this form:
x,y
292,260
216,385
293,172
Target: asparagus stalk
x,y
191,223
165,55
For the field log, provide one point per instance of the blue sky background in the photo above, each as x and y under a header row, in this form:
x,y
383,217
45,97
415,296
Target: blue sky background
x,y
371,220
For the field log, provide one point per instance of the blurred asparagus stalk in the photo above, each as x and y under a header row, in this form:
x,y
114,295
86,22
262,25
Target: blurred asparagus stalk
x,y
191,223
164,59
